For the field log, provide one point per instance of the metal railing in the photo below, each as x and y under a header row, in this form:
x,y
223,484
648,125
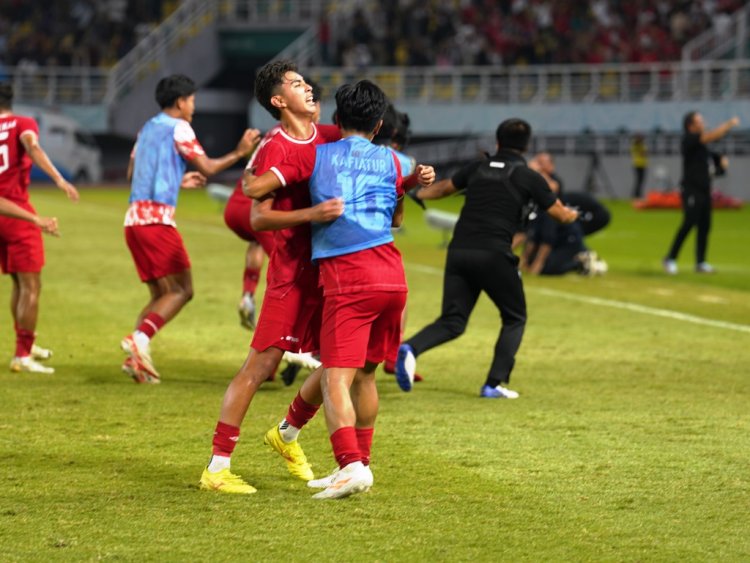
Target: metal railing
x,y
716,80
59,85
615,144
716,43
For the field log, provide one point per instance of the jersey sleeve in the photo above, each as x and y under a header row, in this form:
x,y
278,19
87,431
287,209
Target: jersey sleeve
x,y
296,167
186,142
27,125
536,186
461,178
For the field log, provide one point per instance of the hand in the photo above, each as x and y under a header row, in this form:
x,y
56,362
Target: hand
x,y
426,174
573,215
48,225
734,122
192,180
69,189
327,211
248,142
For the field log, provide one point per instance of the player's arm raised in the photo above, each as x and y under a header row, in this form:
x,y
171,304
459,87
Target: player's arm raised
x,y
35,151
10,209
264,218
210,166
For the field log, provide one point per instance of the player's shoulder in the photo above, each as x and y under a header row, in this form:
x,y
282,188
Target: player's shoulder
x,y
328,133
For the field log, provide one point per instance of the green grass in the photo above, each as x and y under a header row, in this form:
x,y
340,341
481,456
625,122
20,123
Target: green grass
x,y
630,441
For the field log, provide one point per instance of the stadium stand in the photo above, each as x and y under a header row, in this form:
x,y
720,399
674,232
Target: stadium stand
x,y
517,32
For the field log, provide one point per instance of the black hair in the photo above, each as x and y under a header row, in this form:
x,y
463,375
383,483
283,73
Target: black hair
x,y
269,78
687,121
513,134
6,94
317,91
395,129
360,107
173,87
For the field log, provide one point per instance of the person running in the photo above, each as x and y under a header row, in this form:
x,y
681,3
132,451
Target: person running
x,y
361,273
498,191
21,246
165,145
290,315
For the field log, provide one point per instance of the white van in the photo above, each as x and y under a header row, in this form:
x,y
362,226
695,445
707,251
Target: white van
x,y
72,150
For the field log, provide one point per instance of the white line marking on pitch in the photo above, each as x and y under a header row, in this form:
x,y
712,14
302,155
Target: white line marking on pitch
x,y
633,307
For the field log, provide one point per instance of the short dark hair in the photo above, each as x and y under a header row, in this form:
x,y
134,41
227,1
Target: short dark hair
x,y
171,88
513,134
270,77
687,121
6,94
395,128
360,106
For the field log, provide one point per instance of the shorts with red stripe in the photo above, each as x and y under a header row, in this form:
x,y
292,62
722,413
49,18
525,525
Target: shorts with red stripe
x,y
290,320
21,246
157,250
237,218
360,327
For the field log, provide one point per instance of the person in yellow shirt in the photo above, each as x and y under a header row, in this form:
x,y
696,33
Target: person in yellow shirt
x,y
639,155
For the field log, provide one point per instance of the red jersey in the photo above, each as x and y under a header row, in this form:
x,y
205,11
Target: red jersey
x,y
292,247
15,164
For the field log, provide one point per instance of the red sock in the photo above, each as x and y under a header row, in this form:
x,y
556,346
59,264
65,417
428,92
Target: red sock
x,y
364,439
151,324
300,412
345,448
225,439
250,280
24,342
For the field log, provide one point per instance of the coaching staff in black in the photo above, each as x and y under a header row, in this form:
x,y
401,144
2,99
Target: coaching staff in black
x,y
500,191
696,189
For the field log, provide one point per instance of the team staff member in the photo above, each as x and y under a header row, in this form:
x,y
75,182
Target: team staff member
x,y
696,189
498,191
21,246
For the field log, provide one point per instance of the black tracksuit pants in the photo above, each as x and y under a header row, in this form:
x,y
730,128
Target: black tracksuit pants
x,y
696,210
468,272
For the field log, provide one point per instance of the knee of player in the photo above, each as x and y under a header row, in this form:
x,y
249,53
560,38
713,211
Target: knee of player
x,y
186,293
456,327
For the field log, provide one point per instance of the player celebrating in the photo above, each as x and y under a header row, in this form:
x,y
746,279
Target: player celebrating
x,y
360,270
292,298
260,243
165,144
21,247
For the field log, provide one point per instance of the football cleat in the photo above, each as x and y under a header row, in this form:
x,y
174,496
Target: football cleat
x,y
225,481
130,369
289,374
406,365
28,364
704,268
352,479
39,353
246,309
306,360
141,357
296,461
325,482
390,369
498,392
670,266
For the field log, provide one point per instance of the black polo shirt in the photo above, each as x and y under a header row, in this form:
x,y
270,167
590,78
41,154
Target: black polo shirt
x,y
492,213
696,178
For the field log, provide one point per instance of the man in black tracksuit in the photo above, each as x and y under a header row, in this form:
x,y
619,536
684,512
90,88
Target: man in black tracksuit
x,y
696,189
499,192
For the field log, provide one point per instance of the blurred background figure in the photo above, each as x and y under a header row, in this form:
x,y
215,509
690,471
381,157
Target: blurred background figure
x,y
639,155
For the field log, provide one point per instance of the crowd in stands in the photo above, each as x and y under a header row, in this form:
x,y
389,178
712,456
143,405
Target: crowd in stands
x,y
515,32
75,32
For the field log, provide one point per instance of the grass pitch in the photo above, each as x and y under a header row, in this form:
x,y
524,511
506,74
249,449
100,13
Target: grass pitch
x,y
630,440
